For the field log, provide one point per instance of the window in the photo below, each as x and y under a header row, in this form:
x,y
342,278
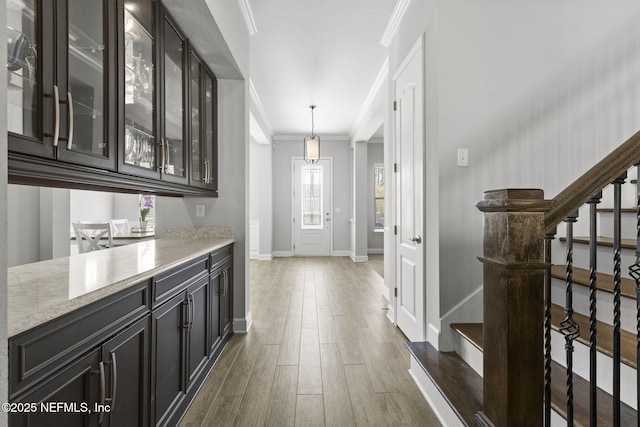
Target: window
x,y
378,195
311,197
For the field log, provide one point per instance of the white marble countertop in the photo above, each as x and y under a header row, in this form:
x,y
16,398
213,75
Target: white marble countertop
x,y
45,290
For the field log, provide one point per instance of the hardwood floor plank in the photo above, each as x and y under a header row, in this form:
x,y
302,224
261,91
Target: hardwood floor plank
x,y
290,347
282,401
253,410
309,347
310,411
368,406
224,410
309,379
337,402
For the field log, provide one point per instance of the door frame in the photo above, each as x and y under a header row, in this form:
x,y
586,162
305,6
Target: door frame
x,y
292,189
418,46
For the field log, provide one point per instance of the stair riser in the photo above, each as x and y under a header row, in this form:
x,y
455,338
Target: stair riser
x,y
581,258
468,352
604,305
628,225
604,368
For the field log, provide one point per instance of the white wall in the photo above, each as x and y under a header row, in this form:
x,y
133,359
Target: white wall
x,y
261,195
283,152
24,219
360,202
375,240
538,92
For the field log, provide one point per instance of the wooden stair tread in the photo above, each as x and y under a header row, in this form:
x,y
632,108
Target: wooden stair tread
x,y
604,241
460,385
604,282
623,210
604,335
471,331
581,404
580,391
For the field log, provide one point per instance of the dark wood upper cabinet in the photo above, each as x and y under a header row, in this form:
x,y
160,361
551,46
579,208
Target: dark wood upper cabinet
x,y
139,148
174,70
108,95
59,89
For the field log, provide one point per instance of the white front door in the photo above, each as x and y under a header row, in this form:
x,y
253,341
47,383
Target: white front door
x,y
312,208
410,302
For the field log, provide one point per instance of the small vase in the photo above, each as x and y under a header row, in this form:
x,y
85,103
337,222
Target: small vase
x,y
143,225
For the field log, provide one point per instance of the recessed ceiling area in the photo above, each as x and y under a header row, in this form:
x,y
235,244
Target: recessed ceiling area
x,y
322,52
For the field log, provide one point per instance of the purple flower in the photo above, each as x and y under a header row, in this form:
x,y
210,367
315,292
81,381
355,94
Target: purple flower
x,y
146,203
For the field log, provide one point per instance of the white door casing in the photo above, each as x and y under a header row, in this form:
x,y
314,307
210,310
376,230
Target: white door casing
x,y
409,130
312,207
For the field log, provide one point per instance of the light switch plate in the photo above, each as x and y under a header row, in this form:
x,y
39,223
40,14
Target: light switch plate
x,y
338,210
200,211
463,157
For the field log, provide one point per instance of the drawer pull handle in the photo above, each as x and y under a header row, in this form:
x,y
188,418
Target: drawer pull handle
x,y
70,132
102,392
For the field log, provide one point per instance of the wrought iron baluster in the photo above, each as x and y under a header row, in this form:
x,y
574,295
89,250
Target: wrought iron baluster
x,y
617,201
634,271
547,327
593,269
568,327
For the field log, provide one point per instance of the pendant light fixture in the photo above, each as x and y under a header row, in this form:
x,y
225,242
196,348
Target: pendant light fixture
x,y
312,144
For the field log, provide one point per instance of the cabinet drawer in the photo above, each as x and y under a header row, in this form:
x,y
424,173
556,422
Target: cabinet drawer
x,y
170,283
39,352
220,256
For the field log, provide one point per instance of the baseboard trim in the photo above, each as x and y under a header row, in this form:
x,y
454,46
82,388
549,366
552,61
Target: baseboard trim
x,y
340,253
441,408
265,257
282,254
375,251
254,255
242,325
359,258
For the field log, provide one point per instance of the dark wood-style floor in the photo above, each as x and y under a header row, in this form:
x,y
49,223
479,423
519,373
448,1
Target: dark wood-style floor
x,y
321,352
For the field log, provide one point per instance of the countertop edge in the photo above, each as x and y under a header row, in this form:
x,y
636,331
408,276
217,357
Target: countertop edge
x,y
41,317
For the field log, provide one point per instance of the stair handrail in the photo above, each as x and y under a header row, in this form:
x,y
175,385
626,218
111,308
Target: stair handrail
x,y
593,181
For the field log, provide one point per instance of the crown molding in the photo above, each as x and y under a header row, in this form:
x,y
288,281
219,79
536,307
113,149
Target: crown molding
x,y
378,83
394,22
247,14
258,110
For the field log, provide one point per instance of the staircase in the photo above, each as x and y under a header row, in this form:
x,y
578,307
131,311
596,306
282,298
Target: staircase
x,y
590,328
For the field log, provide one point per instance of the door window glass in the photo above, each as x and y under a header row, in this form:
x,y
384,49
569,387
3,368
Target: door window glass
x,y
311,197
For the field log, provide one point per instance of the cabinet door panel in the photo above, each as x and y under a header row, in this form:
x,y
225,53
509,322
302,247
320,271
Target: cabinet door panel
x,y
78,384
127,357
30,71
198,351
139,151
174,159
216,286
198,174
87,122
226,301
169,350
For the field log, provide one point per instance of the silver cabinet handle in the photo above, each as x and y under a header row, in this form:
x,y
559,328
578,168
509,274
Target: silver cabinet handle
x,y
103,398
70,132
193,311
114,376
56,109
166,166
416,239
204,175
163,153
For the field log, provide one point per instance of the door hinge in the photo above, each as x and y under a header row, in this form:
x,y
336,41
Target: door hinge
x,y
395,292
395,167
395,229
395,105
294,220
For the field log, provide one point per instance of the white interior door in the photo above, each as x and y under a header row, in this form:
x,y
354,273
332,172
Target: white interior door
x,y
312,208
410,301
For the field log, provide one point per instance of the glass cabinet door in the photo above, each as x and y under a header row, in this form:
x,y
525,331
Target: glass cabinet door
x,y
210,143
174,159
87,79
197,161
139,84
26,19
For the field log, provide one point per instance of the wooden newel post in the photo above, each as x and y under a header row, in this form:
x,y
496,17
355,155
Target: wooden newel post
x,y
513,264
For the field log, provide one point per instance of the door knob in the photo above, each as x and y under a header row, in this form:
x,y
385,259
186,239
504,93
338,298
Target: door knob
x,y
416,239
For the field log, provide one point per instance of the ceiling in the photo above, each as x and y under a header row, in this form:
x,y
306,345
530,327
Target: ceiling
x,y
322,52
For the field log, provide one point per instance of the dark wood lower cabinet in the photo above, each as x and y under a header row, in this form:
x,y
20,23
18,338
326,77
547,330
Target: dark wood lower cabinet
x,y
127,358
141,369
77,385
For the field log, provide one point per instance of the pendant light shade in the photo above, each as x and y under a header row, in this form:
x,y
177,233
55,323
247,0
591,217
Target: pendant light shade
x,y
312,144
